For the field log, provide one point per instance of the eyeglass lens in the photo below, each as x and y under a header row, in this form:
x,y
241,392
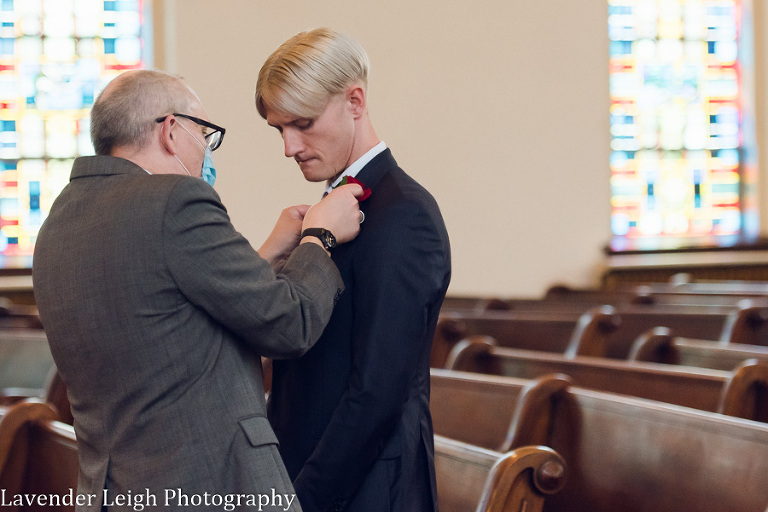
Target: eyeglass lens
x,y
213,139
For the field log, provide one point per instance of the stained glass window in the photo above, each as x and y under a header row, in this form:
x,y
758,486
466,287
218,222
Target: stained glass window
x,y
55,57
683,159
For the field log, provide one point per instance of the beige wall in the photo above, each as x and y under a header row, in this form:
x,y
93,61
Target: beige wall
x,y
500,108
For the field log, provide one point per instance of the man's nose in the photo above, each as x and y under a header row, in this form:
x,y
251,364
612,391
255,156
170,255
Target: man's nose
x,y
292,141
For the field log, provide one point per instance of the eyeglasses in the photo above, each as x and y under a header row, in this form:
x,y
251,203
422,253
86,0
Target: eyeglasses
x,y
213,139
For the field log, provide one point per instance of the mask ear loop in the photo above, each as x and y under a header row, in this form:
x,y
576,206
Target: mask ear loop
x,y
162,127
184,166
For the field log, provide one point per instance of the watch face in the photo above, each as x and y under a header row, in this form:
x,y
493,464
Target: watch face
x,y
330,240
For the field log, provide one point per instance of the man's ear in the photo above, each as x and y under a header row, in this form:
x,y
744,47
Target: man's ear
x,y
356,99
167,138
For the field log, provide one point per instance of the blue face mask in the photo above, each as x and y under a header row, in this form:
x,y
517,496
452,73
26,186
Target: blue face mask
x,y
208,171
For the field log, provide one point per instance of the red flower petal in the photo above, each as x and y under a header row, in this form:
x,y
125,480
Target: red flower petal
x,y
366,191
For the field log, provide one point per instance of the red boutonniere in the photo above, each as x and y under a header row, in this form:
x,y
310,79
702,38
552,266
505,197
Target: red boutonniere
x,y
349,179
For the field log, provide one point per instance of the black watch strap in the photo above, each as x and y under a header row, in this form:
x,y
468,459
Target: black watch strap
x,y
325,236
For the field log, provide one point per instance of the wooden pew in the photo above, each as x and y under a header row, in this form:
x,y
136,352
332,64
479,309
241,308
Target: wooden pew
x,y
608,330
25,358
14,418
564,296
699,388
38,455
684,283
27,370
631,455
604,331
659,345
54,394
458,303
473,478
536,330
521,408
646,294
52,466
680,290
611,332
18,316
623,453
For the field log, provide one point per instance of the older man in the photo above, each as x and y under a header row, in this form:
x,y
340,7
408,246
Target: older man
x,y
157,310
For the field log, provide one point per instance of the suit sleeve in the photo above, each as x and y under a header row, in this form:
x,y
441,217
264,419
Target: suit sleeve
x,y
214,266
397,275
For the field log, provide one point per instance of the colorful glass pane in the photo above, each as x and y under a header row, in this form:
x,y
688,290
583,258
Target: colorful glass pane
x,y
55,57
682,138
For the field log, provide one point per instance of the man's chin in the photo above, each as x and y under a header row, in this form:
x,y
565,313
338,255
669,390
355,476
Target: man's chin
x,y
312,178
314,175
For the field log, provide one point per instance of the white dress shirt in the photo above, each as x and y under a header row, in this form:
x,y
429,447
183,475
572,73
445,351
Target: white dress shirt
x,y
357,165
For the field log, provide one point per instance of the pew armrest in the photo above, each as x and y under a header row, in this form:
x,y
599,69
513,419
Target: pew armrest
x,y
534,410
521,480
448,332
745,394
655,346
471,355
470,477
742,326
17,416
10,396
590,336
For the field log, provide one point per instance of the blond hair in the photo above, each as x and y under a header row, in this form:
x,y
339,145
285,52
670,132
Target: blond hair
x,y
305,72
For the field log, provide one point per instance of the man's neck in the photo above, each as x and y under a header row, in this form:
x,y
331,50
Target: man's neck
x,y
357,165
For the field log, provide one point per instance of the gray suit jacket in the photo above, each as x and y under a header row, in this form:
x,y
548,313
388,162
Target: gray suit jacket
x,y
157,312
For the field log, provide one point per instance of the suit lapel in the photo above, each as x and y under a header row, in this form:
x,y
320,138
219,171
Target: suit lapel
x,y
372,173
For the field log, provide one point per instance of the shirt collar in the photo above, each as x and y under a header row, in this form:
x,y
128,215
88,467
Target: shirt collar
x,y
358,165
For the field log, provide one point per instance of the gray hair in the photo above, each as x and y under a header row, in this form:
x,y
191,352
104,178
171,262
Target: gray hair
x,y
124,113
306,71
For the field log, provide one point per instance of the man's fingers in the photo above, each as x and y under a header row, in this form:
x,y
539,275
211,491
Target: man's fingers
x,y
301,209
356,189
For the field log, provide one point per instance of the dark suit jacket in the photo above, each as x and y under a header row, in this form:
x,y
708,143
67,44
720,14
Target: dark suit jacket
x,y
352,415
157,311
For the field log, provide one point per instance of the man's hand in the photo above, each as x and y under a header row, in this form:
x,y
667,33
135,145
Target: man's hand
x,y
338,212
285,236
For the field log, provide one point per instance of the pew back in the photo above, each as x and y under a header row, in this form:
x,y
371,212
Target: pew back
x,y
699,388
38,456
637,455
461,470
52,462
550,331
651,294
473,478
660,345
641,456
603,331
25,359
460,407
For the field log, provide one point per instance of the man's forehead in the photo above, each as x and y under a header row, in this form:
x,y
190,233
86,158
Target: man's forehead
x,y
196,109
277,119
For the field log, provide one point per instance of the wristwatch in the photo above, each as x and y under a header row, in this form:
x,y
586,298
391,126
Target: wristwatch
x,y
325,236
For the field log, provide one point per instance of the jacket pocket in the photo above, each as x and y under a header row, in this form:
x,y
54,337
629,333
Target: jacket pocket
x,y
258,431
